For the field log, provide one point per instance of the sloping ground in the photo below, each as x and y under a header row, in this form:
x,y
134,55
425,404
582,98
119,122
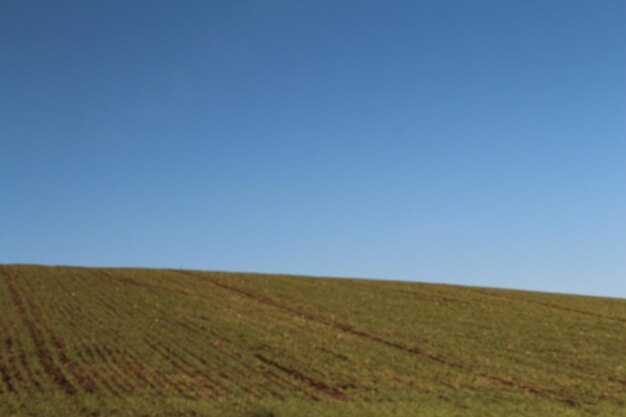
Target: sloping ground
x,y
96,341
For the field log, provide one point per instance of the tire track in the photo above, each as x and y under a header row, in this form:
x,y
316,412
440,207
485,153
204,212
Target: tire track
x,y
266,374
269,375
178,355
453,300
43,353
78,373
540,391
86,356
545,304
133,369
17,361
174,359
186,354
90,379
4,369
318,385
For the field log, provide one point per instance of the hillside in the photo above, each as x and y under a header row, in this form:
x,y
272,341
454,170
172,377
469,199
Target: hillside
x,y
146,342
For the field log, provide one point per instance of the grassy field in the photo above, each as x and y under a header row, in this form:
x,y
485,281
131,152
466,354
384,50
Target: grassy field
x,y
140,342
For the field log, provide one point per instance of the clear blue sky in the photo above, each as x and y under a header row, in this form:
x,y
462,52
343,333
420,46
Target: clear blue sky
x,y
471,142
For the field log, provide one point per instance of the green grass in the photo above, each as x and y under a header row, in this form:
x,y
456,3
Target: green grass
x,y
140,342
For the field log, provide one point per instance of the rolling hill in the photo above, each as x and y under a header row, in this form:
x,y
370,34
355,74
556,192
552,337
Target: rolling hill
x,y
149,342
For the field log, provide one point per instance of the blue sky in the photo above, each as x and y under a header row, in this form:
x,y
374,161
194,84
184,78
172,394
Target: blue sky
x,y
479,143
